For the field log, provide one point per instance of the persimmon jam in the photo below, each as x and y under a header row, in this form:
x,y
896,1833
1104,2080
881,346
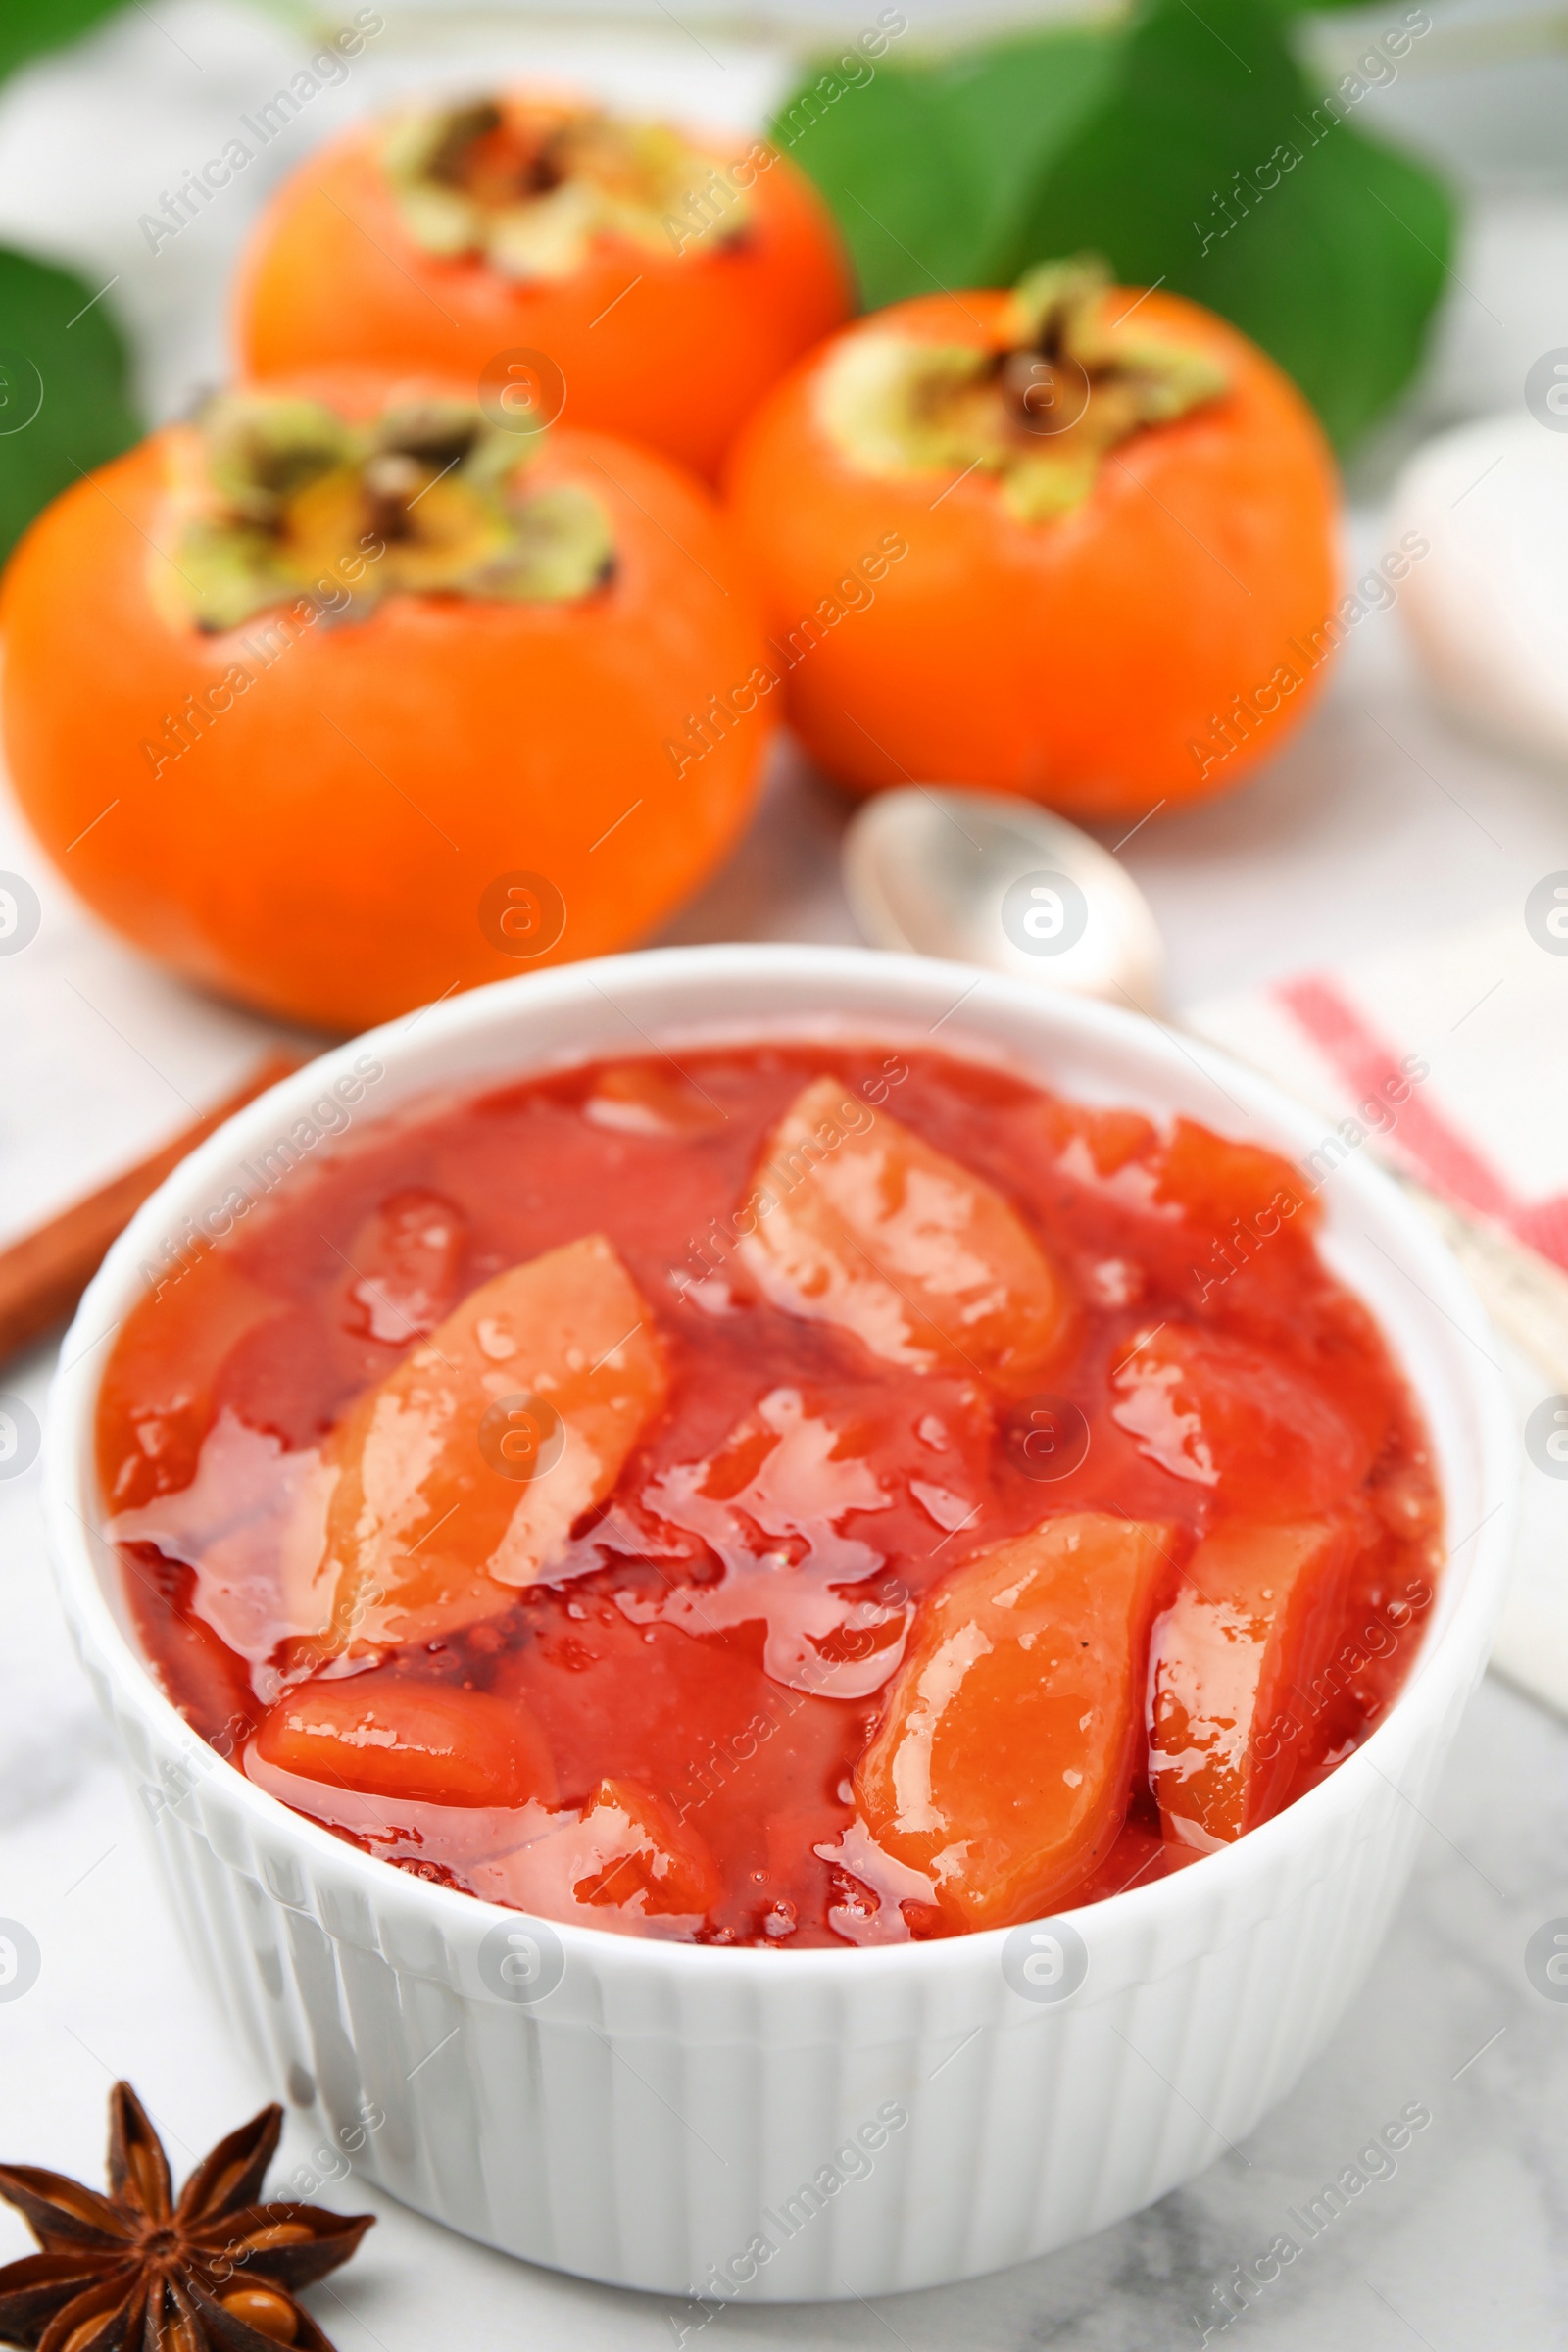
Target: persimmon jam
x,y
798,1494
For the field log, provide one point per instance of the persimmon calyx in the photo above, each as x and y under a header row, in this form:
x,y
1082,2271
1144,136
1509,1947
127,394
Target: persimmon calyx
x,y
1040,411
531,187
280,498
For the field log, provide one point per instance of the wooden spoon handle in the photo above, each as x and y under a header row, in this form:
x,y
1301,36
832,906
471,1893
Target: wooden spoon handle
x,y
45,1274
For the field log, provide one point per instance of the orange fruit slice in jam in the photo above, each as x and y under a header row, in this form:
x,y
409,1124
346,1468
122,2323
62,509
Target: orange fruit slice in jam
x,y
1230,1662
853,1220
642,1857
627,1857
461,1474
1264,1434
421,1742
1002,1763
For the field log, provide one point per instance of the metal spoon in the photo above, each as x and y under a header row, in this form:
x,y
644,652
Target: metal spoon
x,y
978,878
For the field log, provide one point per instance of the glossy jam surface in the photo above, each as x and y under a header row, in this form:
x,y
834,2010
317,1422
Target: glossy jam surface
x,y
805,1494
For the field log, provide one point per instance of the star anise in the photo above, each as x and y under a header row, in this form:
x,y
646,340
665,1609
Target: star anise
x,y
133,2270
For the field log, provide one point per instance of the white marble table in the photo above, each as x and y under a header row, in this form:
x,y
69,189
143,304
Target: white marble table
x,y
1354,839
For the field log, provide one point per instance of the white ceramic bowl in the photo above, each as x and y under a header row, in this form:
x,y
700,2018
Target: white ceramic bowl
x,y
695,2120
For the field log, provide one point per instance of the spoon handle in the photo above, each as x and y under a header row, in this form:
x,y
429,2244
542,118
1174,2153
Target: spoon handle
x,y
1524,1293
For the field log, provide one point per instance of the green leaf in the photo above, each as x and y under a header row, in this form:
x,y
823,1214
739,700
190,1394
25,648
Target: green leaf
x,y
928,168
1013,105
29,28
890,168
1335,269
64,403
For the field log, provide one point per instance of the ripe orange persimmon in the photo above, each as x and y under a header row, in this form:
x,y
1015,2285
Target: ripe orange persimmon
x,y
1071,542
654,281
342,698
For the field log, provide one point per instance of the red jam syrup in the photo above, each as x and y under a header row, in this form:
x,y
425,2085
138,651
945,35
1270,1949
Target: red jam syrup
x,y
805,1494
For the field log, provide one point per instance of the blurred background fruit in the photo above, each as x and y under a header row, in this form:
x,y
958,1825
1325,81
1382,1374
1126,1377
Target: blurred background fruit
x,y
636,279
381,695
1380,205
1074,542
